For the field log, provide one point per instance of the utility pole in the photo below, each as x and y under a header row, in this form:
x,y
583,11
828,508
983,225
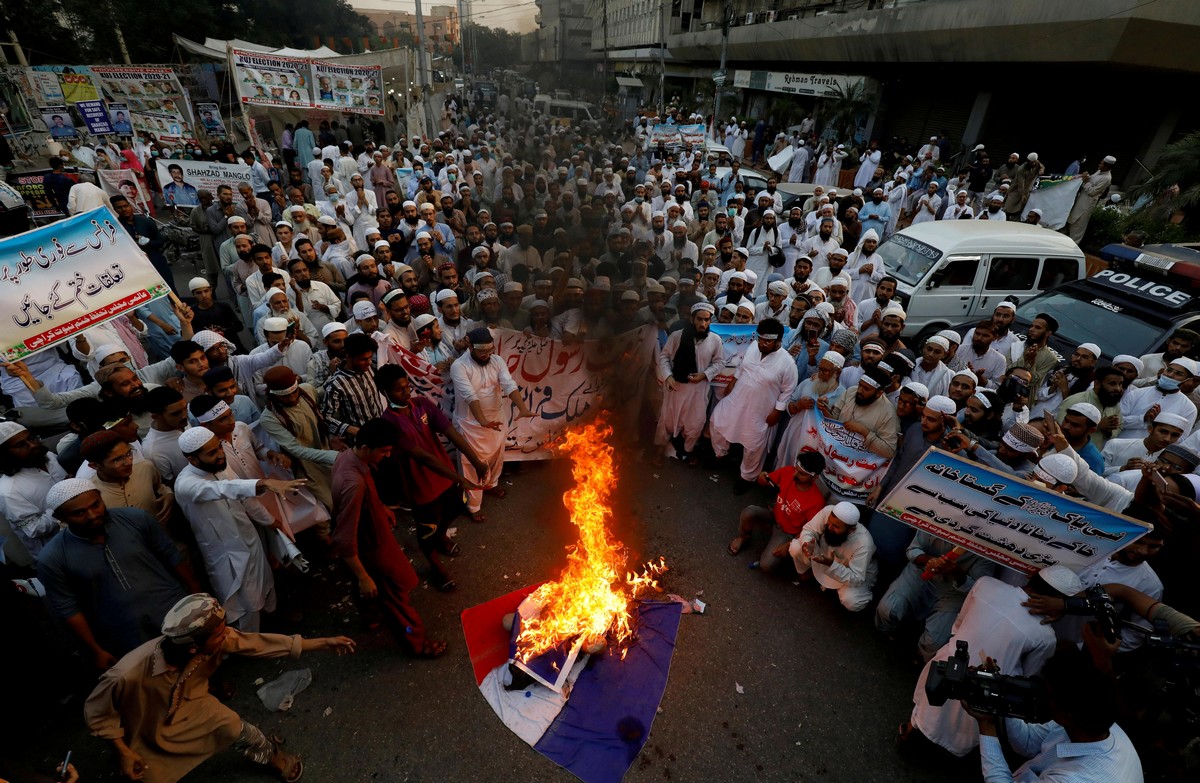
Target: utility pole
x,y
604,81
726,20
119,35
423,80
662,61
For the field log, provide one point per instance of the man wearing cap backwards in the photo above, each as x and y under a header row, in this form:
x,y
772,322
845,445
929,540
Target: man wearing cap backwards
x,y
481,381
225,526
1089,194
753,402
996,625
690,359
1169,394
833,548
110,609
1134,453
155,708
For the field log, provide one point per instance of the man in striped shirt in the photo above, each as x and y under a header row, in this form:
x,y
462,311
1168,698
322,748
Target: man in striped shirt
x,y
351,397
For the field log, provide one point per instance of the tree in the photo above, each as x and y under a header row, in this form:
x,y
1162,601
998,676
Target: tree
x,y
1175,184
496,48
841,110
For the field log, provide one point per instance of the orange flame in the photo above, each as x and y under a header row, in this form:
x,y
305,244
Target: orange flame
x,y
589,599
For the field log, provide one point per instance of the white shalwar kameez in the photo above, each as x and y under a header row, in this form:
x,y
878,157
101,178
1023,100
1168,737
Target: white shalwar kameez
x,y
23,503
685,408
866,172
227,533
995,625
488,384
828,166
764,383
897,197
853,570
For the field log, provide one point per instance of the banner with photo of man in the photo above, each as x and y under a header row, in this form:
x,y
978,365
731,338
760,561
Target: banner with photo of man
x,y
182,180
269,80
210,120
348,88
118,116
123,182
153,94
58,122
1008,520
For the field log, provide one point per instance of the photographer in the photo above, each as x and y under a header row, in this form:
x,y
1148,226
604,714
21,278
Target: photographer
x,y
1081,744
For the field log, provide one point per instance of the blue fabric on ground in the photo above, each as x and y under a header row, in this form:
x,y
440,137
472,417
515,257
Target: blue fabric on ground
x,y
607,719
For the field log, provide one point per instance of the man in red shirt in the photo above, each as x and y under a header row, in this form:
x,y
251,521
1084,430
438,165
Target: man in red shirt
x,y
799,498
425,469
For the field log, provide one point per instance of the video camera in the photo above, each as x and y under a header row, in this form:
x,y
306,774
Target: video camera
x,y
1099,604
1002,695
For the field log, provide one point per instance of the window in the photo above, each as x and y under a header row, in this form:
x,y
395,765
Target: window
x,y
1056,271
1012,274
960,273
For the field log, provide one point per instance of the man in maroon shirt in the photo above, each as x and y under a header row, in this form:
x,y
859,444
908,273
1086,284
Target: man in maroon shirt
x,y
426,470
363,538
799,497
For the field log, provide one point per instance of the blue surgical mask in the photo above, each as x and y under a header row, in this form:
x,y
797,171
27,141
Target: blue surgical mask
x,y
1167,384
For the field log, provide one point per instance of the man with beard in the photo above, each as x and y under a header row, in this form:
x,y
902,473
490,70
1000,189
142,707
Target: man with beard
x,y
753,402
690,359
328,274
839,553
1181,343
225,519
897,201
210,313
876,214
424,258
735,267
818,247
978,355
1037,356
736,291
868,313
29,472
481,382
721,228
680,249
1072,379
368,280
454,326
777,305
1105,393
822,382
313,298
800,280
995,209
325,362
220,212
763,241
796,310
866,411
1169,394
871,353
865,267
410,221
791,240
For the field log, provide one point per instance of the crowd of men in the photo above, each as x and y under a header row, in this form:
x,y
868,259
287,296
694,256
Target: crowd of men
x,y
225,438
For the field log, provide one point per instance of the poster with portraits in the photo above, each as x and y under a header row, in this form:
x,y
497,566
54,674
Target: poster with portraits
x,y
348,88
58,122
210,120
151,99
268,80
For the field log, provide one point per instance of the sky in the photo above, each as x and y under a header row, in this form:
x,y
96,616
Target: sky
x,y
516,16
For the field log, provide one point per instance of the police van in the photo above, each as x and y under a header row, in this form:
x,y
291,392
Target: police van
x,y
1130,308
950,271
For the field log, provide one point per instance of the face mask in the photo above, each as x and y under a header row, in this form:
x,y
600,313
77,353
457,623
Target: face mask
x,y
638,199
1167,384
452,177
212,151
154,153
732,211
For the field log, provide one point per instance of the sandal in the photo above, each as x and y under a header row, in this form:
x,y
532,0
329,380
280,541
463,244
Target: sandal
x,y
497,492
449,548
288,766
476,516
430,649
738,544
444,582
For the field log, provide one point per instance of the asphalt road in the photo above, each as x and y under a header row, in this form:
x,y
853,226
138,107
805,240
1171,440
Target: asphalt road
x,y
823,692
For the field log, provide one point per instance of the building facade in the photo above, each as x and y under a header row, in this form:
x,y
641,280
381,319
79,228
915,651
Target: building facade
x,y
443,28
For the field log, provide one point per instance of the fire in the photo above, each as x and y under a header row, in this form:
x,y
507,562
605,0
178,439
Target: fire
x,y
590,599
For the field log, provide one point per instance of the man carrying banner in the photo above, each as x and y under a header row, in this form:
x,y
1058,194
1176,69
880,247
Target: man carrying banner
x,y
754,401
145,233
691,358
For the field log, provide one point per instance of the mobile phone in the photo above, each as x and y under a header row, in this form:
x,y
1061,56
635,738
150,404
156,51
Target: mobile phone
x,y
291,330
62,774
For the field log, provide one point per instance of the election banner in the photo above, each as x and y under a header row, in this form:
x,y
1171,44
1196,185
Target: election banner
x,y
67,277
183,179
123,182
58,122
154,98
348,88
1006,519
850,469
77,88
269,80
735,338
1054,196
94,117
560,383
210,120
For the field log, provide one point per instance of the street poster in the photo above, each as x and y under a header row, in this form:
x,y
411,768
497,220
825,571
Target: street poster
x,y
118,115
183,179
269,80
851,469
32,187
735,338
58,122
77,87
95,117
560,383
1006,519
348,88
153,97
67,277
210,120
123,182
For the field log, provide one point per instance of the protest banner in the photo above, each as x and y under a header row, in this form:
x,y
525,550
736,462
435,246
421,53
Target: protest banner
x,y
1054,196
348,88
94,117
77,88
665,135
118,115
269,80
210,120
58,122
32,187
123,182
183,179
560,383
850,469
69,276
736,338
1006,519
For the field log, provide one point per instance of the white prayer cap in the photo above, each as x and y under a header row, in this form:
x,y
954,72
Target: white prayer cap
x,y
196,283
847,512
575,282
325,220
445,294
422,320
730,308
679,224
894,309
752,278
940,403
513,286
712,270
631,296
654,288
65,490
996,196
834,358
1110,160
1034,211
363,258
477,252
968,374
1056,469
919,389
778,287
742,252
900,175
206,338
317,151
825,308
107,350
1092,348
409,203
274,324
1004,304
766,212
1087,411
933,138
10,429
856,192
977,148
602,283
951,335
939,340
381,243
1125,358
838,251
424,235
739,276
363,309
1061,578
703,307
658,213
234,219
279,223
1171,419
1190,365
402,268
194,438
332,328
1031,157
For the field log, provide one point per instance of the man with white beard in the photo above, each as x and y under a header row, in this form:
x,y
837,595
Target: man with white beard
x,y
690,359
824,384
818,247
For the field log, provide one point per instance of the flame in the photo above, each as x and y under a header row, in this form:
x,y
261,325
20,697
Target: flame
x,y
590,599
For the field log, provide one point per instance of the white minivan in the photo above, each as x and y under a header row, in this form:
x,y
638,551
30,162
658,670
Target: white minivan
x,y
952,271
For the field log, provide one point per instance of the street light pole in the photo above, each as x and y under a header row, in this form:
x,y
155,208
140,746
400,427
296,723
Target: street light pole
x,y
662,63
726,20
